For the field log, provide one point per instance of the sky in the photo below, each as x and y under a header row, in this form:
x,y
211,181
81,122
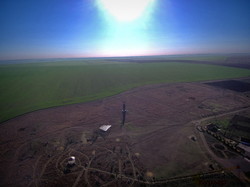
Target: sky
x,y
31,29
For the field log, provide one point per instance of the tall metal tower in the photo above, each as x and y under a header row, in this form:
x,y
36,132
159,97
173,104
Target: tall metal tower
x,y
124,111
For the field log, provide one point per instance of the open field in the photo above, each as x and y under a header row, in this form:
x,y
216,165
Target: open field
x,y
240,61
27,87
154,146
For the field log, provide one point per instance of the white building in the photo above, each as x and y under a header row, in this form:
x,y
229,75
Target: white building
x,y
105,127
72,160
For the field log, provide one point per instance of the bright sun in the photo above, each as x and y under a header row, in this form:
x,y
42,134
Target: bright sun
x,y
125,10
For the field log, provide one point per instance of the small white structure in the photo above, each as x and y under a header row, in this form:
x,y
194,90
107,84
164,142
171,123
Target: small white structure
x,y
105,127
72,160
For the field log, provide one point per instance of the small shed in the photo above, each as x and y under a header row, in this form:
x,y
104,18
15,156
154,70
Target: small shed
x,y
105,127
72,160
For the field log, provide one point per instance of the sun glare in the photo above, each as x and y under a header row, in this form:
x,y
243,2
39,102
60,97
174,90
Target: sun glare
x,y
125,10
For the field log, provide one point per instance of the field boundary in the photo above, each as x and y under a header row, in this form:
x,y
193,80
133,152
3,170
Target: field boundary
x,y
129,90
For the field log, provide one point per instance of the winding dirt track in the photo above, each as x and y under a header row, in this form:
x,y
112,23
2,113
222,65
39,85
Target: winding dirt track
x,y
157,128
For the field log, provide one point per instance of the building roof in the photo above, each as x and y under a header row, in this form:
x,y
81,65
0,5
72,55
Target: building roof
x,y
105,127
72,158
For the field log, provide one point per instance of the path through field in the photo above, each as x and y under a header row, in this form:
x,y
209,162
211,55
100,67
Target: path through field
x,y
149,149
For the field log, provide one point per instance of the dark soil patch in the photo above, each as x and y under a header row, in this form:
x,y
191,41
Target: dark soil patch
x,y
241,123
234,85
230,154
247,174
217,152
218,146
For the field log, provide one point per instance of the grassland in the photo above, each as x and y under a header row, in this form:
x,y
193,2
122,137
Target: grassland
x,y
210,58
31,86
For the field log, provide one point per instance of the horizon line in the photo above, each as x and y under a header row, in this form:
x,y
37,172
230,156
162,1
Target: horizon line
x,y
120,56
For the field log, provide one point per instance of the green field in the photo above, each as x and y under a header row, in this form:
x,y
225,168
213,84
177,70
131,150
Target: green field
x,y
31,86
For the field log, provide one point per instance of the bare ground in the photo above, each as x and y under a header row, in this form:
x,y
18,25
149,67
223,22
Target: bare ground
x,y
153,145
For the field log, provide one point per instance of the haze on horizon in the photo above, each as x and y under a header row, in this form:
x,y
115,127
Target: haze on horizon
x,y
99,28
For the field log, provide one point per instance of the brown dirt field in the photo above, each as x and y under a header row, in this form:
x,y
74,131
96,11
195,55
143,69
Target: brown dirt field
x,y
155,139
